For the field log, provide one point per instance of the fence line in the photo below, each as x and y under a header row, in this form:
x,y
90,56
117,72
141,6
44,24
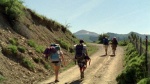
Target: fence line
x,y
143,48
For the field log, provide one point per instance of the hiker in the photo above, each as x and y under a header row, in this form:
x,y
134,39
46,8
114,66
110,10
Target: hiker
x,y
80,53
55,55
106,44
114,44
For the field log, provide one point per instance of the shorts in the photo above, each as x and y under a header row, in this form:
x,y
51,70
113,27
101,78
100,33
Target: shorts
x,y
56,63
114,47
106,46
82,63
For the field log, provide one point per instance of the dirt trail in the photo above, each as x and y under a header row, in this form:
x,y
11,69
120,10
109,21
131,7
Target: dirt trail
x,y
103,69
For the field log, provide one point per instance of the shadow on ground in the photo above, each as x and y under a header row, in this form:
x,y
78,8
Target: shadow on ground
x,y
76,82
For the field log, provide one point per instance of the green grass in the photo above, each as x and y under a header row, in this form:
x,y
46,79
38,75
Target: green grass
x,y
91,49
28,64
39,49
21,49
144,81
12,48
32,43
1,78
47,66
134,67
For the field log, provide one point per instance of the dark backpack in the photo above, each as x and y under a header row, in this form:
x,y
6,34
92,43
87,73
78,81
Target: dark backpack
x,y
79,52
105,41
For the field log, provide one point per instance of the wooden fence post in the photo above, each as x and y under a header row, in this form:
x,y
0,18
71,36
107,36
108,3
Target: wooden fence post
x,y
146,60
140,46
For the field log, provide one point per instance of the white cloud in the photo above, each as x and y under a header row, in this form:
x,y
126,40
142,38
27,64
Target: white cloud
x,y
84,8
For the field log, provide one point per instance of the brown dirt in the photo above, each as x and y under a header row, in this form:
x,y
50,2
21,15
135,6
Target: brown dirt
x,y
103,69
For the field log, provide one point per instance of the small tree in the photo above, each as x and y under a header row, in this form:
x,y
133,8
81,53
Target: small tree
x,y
102,36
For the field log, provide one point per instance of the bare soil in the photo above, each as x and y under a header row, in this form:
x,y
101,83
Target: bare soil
x,y
103,69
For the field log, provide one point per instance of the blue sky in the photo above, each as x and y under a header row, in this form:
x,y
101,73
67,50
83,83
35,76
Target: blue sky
x,y
100,16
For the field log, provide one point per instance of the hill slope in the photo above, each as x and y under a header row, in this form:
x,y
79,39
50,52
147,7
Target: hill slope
x,y
22,42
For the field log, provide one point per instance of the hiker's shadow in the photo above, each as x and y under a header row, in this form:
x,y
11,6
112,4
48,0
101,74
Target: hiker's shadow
x,y
112,55
76,82
51,83
103,55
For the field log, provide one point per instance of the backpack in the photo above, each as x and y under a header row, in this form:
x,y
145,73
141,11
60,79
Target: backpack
x,y
105,41
79,55
54,53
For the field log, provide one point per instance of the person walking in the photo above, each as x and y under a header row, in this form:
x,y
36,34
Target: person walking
x,y
114,44
54,53
106,44
80,55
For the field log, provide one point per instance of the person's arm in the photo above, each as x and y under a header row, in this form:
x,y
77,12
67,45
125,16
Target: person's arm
x,y
62,57
46,53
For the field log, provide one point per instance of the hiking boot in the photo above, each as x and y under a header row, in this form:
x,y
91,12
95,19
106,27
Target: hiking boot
x,y
56,81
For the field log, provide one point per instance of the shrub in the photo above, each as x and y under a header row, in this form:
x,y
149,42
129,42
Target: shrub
x,y
39,49
13,48
64,44
37,60
1,78
144,81
122,43
28,64
13,8
31,43
21,49
134,67
13,41
47,66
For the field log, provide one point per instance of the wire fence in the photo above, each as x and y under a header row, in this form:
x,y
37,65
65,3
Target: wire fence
x,y
142,47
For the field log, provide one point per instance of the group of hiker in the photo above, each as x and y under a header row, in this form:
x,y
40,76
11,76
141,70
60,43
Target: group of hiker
x,y
113,44
56,56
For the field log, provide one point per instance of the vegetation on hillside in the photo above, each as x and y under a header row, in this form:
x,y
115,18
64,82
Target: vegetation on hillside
x,y
12,8
135,67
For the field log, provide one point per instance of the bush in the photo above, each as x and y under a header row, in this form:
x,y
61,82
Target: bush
x,y
31,43
64,44
39,49
21,49
28,64
37,60
1,78
13,48
13,8
122,43
13,41
134,67
47,66
144,81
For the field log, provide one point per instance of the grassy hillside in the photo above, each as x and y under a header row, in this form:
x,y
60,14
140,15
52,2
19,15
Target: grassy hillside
x,y
24,36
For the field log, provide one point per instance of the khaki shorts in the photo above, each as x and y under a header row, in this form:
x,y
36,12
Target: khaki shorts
x,y
114,47
106,46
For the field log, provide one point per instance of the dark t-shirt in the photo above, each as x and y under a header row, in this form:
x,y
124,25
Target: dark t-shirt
x,y
105,41
114,42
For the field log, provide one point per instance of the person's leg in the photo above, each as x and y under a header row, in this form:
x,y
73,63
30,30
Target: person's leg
x,y
83,69
114,49
106,48
56,70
